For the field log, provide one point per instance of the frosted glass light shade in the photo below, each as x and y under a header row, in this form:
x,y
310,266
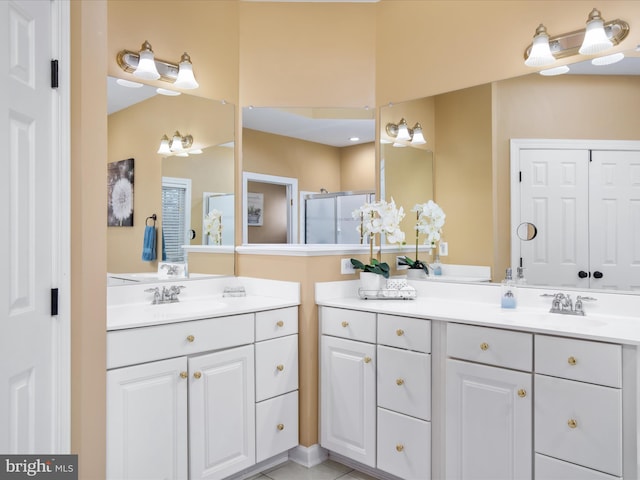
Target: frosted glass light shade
x,y
540,54
418,137
403,132
164,146
185,78
176,142
146,68
595,38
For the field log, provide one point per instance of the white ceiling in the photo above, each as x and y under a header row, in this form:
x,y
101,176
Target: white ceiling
x,y
328,131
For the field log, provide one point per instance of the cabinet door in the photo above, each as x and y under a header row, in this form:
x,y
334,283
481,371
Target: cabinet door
x,y
488,422
348,398
147,421
221,413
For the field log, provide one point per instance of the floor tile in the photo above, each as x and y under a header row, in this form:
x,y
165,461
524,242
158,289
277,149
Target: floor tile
x,y
355,475
328,470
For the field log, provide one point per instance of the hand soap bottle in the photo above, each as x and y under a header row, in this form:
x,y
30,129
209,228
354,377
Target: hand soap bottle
x,y
509,291
436,266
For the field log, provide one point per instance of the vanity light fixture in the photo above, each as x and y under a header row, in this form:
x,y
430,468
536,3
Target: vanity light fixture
x,y
143,64
404,135
177,145
597,37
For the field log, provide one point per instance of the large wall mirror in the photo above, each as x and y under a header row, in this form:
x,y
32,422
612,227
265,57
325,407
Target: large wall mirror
x,y
190,190
469,132
305,170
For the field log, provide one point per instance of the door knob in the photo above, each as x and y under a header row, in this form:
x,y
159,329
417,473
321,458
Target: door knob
x,y
597,274
583,274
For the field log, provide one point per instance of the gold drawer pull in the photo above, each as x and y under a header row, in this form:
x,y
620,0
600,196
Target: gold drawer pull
x,y
399,382
280,426
399,332
572,361
522,393
190,338
572,423
345,324
399,447
197,375
484,346
367,359
280,323
184,374
280,367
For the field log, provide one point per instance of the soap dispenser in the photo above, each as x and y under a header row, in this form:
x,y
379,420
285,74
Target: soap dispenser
x,y
509,291
436,266
520,280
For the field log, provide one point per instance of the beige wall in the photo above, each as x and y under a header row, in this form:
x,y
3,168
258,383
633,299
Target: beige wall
x,y
358,167
274,214
275,55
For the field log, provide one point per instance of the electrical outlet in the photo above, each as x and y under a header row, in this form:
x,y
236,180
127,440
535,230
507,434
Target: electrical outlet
x,y
444,249
345,266
399,266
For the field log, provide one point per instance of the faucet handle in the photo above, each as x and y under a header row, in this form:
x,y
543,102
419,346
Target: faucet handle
x,y
152,290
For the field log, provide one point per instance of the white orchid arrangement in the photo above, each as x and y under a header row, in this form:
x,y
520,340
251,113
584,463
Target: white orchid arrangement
x,y
213,226
429,221
378,218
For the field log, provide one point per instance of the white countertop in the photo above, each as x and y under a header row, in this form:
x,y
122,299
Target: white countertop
x,y
612,318
129,306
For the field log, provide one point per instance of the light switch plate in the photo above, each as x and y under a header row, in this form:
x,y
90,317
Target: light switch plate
x,y
443,249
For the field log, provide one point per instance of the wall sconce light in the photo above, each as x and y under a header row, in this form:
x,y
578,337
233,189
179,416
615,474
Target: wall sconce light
x,y
597,37
178,145
143,64
404,135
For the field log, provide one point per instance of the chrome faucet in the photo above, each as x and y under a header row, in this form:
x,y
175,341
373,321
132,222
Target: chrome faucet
x,y
563,304
166,295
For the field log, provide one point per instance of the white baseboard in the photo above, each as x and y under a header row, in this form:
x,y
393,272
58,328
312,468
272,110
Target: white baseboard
x,y
308,456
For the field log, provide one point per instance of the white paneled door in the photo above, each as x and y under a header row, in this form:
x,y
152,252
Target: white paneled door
x,y
33,343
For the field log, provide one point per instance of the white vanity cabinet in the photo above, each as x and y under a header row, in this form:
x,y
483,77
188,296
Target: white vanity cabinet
x,y
375,382
488,403
183,402
578,409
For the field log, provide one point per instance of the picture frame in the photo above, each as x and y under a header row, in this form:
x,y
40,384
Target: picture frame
x,y
120,182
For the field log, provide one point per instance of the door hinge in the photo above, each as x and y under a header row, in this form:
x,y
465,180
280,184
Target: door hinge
x,y
54,73
54,302
520,176
520,262
590,155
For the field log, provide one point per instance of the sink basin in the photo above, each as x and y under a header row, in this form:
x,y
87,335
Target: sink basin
x,y
183,308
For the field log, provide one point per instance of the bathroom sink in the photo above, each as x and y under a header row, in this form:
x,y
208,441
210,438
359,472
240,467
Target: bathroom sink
x,y
184,308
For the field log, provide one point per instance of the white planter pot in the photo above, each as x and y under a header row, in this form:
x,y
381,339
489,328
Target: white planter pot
x,y
416,274
371,281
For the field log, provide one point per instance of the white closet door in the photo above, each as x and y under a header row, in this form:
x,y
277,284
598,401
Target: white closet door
x,y
554,197
614,219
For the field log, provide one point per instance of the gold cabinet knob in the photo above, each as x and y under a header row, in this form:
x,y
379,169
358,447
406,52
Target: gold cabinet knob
x,y
280,367
280,323
280,426
399,447
399,381
484,346
184,374
572,361
197,374
367,359
572,423
399,332
522,393
190,338
345,324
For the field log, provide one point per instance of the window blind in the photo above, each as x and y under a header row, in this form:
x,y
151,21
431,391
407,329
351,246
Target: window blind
x,y
173,222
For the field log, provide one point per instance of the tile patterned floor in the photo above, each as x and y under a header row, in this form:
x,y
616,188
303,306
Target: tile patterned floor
x,y
328,470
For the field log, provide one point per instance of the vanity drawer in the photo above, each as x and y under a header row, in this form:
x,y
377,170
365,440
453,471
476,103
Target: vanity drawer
x,y
145,344
491,346
404,332
579,422
582,360
548,468
276,367
404,445
404,381
276,323
351,324
276,425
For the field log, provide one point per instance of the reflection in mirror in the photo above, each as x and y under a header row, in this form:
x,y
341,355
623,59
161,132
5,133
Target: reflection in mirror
x,y
526,231
319,149
469,132
138,120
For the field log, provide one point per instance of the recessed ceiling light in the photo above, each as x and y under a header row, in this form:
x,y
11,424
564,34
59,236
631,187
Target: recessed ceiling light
x,y
549,72
128,83
354,139
168,93
608,59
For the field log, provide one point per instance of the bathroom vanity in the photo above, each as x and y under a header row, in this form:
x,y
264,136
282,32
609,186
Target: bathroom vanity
x,y
452,386
205,387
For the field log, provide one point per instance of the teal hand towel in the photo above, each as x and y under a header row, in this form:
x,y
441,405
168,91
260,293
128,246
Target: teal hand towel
x,y
149,244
